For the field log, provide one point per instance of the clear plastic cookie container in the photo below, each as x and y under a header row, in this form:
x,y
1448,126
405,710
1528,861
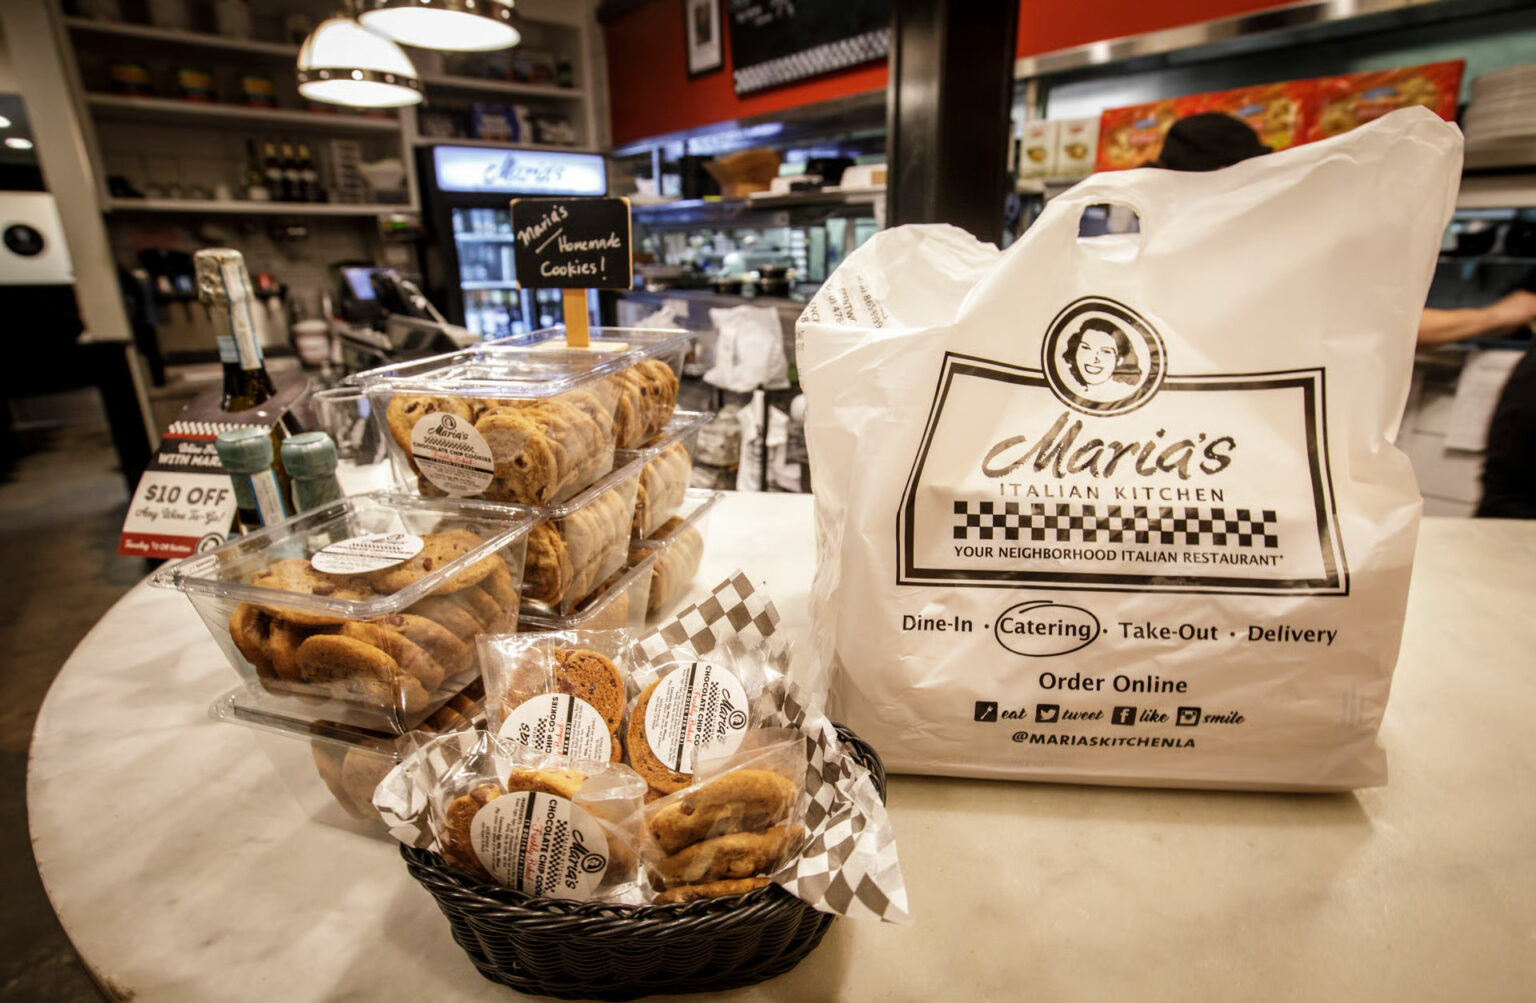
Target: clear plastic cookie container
x,y
644,364
668,470
575,546
677,549
618,603
500,424
332,768
365,611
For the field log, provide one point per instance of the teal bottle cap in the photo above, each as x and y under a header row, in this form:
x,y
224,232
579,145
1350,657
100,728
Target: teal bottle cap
x,y
245,450
309,454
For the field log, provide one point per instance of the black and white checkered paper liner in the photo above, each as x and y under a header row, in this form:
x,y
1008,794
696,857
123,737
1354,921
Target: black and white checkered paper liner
x,y
402,795
849,865
734,613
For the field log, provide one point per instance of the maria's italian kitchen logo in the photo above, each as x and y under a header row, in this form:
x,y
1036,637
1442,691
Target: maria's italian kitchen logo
x,y
1102,358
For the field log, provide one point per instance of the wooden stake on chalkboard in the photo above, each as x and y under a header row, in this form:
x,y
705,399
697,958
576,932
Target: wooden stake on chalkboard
x,y
576,318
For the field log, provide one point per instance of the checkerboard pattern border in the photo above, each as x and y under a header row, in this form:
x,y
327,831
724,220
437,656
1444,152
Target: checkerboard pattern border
x,y
1045,522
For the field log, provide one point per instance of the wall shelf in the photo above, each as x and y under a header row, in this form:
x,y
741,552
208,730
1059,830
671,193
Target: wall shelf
x,y
168,110
169,36
496,144
450,83
214,207
675,211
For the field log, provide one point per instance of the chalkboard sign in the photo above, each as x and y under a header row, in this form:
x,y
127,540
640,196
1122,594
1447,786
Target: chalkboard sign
x,y
572,243
775,42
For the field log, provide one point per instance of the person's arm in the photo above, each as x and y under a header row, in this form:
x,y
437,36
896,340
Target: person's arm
x,y
1442,327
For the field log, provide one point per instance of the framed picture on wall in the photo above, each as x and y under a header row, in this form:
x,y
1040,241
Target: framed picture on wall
x,y
706,50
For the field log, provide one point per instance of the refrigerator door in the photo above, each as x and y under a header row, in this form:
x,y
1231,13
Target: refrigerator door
x,y
493,305
468,191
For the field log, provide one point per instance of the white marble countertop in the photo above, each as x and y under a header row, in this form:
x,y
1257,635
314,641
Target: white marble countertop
x,y
184,870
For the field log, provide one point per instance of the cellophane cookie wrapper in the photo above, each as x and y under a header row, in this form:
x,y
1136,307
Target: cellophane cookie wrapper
x,y
847,864
738,822
559,691
690,703
546,825
1135,515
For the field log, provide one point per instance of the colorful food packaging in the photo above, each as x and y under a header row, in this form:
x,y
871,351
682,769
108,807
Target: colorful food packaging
x,y
1133,136
1348,101
1077,147
1279,113
1037,149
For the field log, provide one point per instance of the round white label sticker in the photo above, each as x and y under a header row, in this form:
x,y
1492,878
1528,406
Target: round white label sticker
x,y
452,454
360,554
696,705
555,722
540,844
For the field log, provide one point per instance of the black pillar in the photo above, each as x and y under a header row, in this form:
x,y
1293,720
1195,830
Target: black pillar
x,y
951,91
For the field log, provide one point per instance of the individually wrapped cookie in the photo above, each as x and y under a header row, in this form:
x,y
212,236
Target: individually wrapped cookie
x,y
690,704
847,863
548,826
738,823
559,692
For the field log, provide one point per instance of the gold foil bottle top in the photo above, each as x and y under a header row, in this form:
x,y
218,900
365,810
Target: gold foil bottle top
x,y
221,276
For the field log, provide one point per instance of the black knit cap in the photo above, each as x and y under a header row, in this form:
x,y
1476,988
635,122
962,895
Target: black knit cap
x,y
1208,141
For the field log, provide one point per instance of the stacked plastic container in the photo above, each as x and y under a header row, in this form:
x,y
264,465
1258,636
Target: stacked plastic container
x,y
355,623
563,433
539,489
673,550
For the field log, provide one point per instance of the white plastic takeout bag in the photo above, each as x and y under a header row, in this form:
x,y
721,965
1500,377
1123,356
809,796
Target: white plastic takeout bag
x,y
1127,509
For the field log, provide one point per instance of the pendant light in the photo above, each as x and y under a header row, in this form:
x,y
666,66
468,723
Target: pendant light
x,y
454,25
341,62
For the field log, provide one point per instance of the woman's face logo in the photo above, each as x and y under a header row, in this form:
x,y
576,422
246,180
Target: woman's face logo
x,y
1102,358
1096,357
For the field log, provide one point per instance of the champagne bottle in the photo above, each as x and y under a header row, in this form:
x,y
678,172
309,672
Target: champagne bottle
x,y
290,175
273,169
309,177
224,287
255,176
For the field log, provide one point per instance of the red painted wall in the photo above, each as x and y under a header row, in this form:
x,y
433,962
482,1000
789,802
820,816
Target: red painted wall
x,y
1046,27
650,93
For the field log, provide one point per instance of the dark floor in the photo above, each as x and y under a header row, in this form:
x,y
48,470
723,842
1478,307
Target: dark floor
x,y
60,511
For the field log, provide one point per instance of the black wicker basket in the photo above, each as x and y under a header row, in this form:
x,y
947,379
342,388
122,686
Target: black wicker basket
x,y
586,950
